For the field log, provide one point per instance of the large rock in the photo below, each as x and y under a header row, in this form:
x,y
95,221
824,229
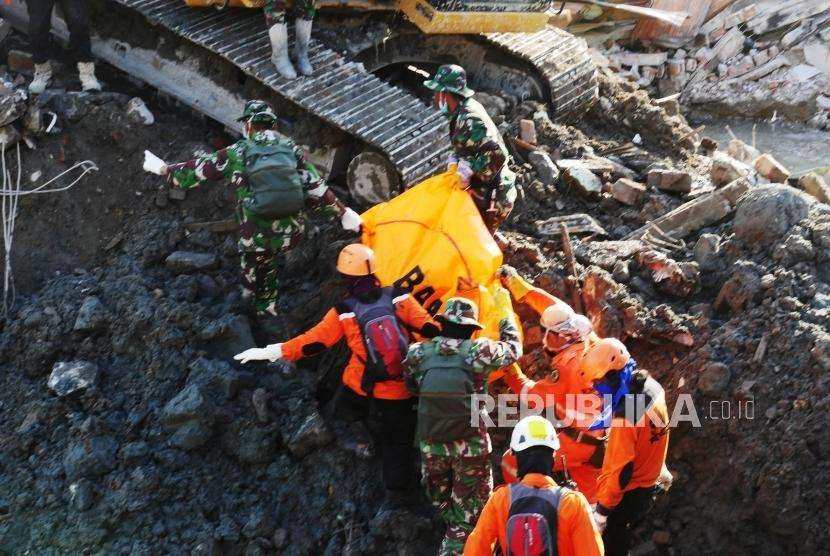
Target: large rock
x,y
182,262
584,181
548,171
310,433
707,252
91,315
189,416
742,286
767,212
228,335
90,457
216,378
72,376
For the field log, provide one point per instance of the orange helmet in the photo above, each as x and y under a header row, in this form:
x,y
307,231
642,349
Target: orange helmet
x,y
608,354
356,260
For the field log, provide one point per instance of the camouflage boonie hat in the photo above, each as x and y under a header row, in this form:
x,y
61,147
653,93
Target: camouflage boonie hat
x,y
460,310
258,111
450,78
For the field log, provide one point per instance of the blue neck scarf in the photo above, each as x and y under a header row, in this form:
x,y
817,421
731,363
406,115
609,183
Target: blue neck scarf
x,y
605,390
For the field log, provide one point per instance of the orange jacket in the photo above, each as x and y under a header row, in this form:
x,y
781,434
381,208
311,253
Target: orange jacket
x,y
636,450
576,533
339,322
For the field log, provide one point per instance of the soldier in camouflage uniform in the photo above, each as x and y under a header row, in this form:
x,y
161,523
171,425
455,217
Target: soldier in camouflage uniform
x,y
303,12
260,241
481,156
457,472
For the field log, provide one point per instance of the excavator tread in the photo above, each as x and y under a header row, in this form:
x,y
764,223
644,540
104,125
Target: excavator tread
x,y
564,62
416,141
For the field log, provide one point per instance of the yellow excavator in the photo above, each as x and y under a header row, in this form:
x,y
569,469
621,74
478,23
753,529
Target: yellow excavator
x,y
363,109
451,16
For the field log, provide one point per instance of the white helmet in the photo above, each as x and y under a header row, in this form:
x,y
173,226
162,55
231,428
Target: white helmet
x,y
555,315
583,325
533,431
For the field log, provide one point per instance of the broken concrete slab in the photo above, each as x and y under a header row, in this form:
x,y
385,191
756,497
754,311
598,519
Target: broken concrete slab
x,y
670,180
774,171
628,192
597,165
742,152
698,213
584,181
767,212
814,185
726,169
544,167
605,254
578,224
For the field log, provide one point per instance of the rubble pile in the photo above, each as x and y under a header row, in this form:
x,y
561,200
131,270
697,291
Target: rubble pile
x,y
131,430
739,58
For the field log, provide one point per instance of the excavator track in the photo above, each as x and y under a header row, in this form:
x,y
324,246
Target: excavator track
x,y
414,137
562,60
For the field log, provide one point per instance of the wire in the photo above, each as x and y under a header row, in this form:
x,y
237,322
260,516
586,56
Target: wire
x,y
9,198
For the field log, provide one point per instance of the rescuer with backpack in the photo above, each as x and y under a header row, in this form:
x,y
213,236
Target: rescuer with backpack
x,y
535,516
374,321
274,185
445,372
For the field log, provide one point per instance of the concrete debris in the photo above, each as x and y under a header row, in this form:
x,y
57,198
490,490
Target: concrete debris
x,y
628,192
774,171
707,252
544,167
726,169
583,180
670,180
701,212
742,152
139,113
67,378
527,131
814,185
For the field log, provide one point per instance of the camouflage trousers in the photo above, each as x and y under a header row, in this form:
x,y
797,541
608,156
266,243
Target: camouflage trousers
x,y
495,209
275,10
259,280
458,488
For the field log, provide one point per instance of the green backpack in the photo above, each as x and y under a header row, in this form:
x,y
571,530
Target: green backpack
x,y
445,395
276,190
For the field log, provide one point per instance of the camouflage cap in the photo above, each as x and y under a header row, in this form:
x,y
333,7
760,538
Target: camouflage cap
x,y
451,78
460,310
258,111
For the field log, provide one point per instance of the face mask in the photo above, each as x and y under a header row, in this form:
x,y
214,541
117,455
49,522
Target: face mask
x,y
443,107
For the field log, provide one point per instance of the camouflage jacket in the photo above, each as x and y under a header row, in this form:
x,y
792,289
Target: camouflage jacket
x,y
476,139
486,355
257,234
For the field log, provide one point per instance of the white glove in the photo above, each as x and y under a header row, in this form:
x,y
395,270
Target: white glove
x,y
464,171
600,520
153,164
270,353
351,221
452,160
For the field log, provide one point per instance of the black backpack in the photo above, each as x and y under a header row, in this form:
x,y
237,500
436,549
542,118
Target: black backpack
x,y
386,344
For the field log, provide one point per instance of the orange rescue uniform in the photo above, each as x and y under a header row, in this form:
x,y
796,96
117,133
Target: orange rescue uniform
x,y
636,450
562,392
576,534
340,322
